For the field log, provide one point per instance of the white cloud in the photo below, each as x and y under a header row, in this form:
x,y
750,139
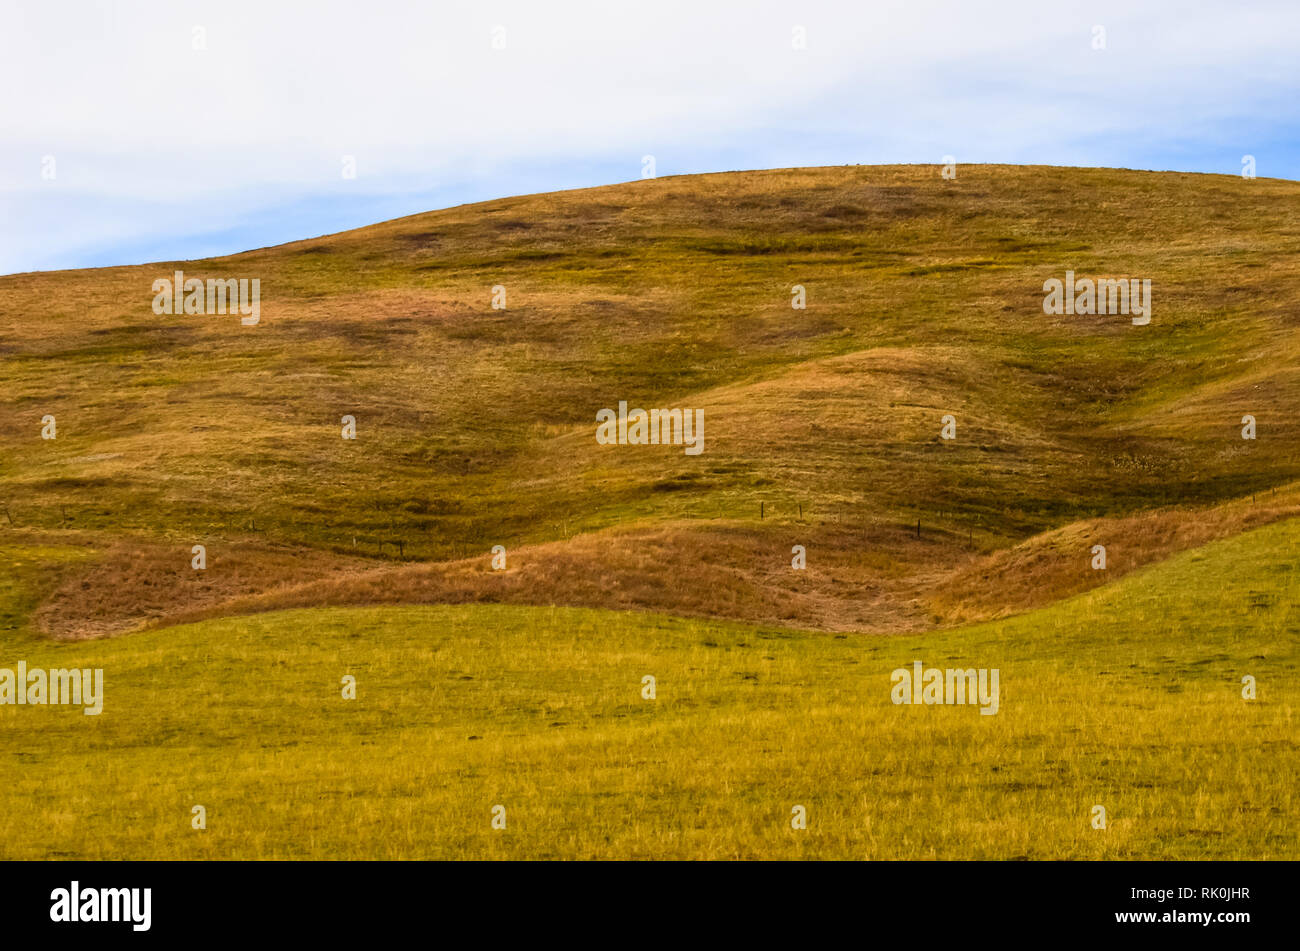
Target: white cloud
x,y
133,113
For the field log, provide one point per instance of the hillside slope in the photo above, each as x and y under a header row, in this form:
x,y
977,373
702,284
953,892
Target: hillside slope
x,y
1129,698
475,426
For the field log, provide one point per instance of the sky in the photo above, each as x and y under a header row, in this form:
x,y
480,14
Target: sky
x,y
134,131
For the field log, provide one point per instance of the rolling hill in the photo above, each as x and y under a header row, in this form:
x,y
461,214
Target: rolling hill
x,y
476,427
1128,698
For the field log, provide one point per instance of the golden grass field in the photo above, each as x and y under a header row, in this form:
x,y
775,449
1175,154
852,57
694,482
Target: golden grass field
x,y
1127,697
521,687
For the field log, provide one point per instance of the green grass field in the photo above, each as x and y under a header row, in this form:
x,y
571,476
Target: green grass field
x,y
1128,697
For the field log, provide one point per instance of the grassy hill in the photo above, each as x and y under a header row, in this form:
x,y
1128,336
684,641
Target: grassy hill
x,y
476,427
1128,697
